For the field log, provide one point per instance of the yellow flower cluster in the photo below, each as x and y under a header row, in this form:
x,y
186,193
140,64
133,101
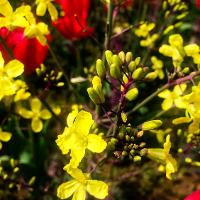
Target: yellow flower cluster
x,y
144,31
191,104
163,156
24,18
76,138
177,51
9,85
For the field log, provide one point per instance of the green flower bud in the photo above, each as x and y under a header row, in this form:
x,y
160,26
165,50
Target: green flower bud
x,y
94,96
143,152
122,56
100,67
137,158
127,137
116,60
186,70
132,66
108,55
138,74
129,57
132,94
151,76
149,125
132,152
121,135
115,71
137,61
124,153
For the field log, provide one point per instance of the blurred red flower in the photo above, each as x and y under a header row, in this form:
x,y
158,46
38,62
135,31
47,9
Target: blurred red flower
x,y
194,196
197,3
73,25
29,51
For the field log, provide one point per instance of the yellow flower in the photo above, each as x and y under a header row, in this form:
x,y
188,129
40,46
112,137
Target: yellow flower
x,y
160,134
163,156
36,114
21,93
157,66
43,6
76,138
12,19
4,137
149,41
144,29
81,184
8,72
173,97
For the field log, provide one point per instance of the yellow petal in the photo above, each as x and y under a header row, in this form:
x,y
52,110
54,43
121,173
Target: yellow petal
x,y
83,122
52,11
1,61
36,125
77,155
45,114
1,145
80,193
176,40
179,89
164,94
41,9
25,113
96,143
66,141
181,120
191,49
65,190
98,189
35,105
14,68
5,136
153,124
5,8
167,144
167,104
171,167
76,173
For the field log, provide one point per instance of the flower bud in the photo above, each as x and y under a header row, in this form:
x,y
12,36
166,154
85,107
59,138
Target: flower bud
x,y
132,94
116,60
137,61
124,117
94,96
129,57
122,56
108,55
100,67
151,76
137,158
149,125
138,74
115,71
132,66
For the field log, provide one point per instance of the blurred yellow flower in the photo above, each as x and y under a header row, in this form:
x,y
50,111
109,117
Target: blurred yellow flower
x,y
43,6
36,114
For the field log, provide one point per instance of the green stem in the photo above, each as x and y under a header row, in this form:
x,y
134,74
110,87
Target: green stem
x,y
109,23
8,50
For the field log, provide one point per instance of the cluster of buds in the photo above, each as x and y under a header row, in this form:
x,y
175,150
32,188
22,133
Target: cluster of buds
x,y
128,144
175,9
123,68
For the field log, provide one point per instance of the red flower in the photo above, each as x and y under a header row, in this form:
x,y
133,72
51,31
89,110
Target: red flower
x,y
29,51
73,25
197,2
194,196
